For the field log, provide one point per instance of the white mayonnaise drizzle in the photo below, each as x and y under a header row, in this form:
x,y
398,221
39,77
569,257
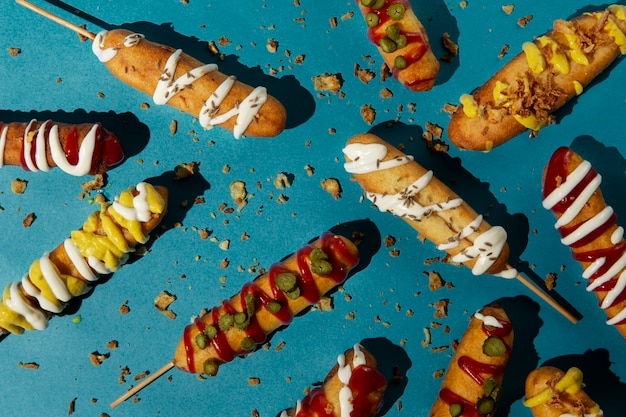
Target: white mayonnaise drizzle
x,y
35,317
344,373
40,160
562,191
167,87
366,158
488,320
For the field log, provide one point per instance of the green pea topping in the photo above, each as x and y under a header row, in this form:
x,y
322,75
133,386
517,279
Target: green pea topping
x,y
273,306
226,321
210,367
387,45
210,331
247,343
392,32
455,410
494,346
250,308
367,3
286,281
400,62
241,321
401,41
201,340
319,262
293,294
371,19
489,385
485,405
378,4
396,11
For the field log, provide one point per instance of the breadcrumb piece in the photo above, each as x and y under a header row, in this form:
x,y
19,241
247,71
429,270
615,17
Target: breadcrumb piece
x,y
435,281
523,21
551,281
508,8
368,113
282,181
272,45
15,51
332,186
29,220
97,358
185,169
18,186
28,365
449,44
504,50
254,381
441,307
365,75
162,303
327,82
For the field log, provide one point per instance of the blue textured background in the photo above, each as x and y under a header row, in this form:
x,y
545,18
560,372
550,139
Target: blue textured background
x,y
56,76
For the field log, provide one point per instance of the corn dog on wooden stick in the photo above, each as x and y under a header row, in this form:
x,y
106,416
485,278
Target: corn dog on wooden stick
x,y
551,70
397,184
571,190
70,270
76,149
472,384
172,77
402,41
550,392
352,388
239,324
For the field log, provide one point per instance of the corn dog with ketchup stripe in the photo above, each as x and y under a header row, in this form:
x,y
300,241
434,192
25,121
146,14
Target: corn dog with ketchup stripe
x,y
550,71
472,385
551,392
261,307
402,42
100,247
571,190
352,388
76,149
172,77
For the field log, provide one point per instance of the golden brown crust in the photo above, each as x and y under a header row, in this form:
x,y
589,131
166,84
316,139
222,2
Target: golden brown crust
x,y
561,403
141,67
267,321
332,386
551,89
438,227
594,205
419,75
457,380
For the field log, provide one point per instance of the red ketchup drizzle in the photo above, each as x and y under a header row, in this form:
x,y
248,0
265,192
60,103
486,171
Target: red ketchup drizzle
x,y
364,381
475,370
557,171
416,45
332,245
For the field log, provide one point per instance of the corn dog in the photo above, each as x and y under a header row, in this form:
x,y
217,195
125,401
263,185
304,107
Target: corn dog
x,y
571,190
262,306
100,247
551,392
551,70
473,382
76,149
352,388
172,77
402,42
395,183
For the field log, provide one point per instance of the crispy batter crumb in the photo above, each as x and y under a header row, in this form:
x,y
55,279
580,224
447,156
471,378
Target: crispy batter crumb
x,y
280,346
441,307
272,45
365,75
449,108
386,93
309,170
551,281
523,21
255,413
254,381
282,180
185,169
96,183
72,406
141,375
97,358
112,345
332,186
18,186
427,337
15,51
504,50
368,113
213,48
28,365
124,309
435,281
325,304
238,191
508,8
173,127
449,44
390,241
162,303
29,219
438,373
333,22
327,82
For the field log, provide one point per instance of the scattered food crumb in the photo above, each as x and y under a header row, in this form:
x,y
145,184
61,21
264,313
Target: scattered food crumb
x,y
162,303
523,21
14,51
29,219
332,186
503,51
18,186
435,281
254,381
368,113
551,281
72,407
96,183
97,358
327,82
508,8
28,365
449,44
124,309
427,337
112,345
390,241
173,127
325,304
184,170
272,45
441,307
365,75
282,181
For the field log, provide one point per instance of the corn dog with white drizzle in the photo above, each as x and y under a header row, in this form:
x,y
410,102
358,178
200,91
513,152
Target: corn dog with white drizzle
x,y
99,247
399,185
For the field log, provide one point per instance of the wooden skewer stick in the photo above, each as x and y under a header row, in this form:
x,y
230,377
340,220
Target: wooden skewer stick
x,y
147,381
78,29
568,315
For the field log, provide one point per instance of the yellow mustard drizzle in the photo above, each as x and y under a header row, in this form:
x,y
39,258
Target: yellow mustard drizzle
x,y
470,107
578,87
499,95
616,33
571,383
105,244
558,60
530,121
534,58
